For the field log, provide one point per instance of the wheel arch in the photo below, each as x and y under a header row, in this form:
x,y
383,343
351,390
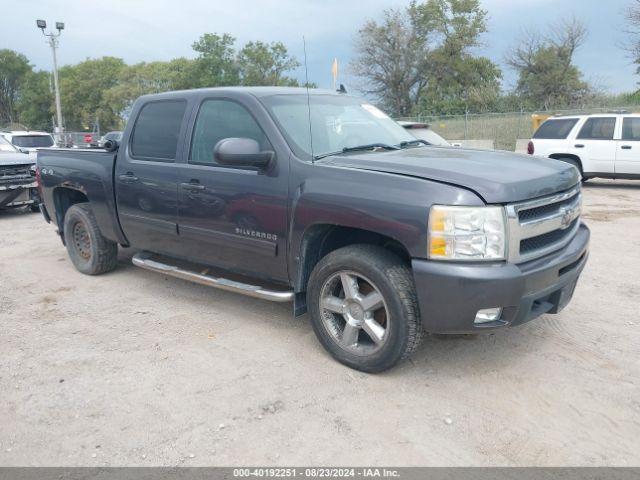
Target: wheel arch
x,y
63,199
321,239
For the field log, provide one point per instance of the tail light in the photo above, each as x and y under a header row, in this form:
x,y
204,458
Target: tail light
x,y
39,181
530,148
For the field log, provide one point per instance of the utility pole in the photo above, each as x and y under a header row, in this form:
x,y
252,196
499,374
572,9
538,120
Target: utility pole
x,y
53,43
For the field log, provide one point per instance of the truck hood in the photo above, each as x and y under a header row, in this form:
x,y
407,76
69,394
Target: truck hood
x,y
11,159
497,177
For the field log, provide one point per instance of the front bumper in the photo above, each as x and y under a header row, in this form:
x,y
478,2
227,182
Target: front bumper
x,y
450,294
18,195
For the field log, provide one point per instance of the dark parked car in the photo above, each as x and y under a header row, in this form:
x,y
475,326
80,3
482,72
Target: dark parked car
x,y
17,178
323,200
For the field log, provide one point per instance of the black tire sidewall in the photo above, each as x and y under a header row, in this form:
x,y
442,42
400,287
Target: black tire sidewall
x,y
375,271
74,215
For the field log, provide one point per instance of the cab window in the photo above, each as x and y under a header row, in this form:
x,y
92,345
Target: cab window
x,y
219,119
631,129
555,129
157,128
598,128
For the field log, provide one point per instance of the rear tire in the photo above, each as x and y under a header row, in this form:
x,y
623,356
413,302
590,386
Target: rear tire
x,y
377,323
90,252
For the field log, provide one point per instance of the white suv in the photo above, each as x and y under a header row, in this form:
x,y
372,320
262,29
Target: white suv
x,y
599,145
28,140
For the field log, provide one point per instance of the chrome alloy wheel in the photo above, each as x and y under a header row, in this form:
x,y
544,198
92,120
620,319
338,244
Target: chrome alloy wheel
x,y
354,313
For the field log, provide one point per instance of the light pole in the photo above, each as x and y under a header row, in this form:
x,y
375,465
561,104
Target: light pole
x,y
53,43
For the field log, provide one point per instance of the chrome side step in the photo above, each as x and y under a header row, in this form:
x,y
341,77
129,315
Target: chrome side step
x,y
145,260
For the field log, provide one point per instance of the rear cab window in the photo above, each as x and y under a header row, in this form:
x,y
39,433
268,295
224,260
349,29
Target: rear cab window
x,y
32,141
157,130
555,129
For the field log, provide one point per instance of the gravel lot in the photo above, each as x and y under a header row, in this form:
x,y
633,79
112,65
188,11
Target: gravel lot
x,y
133,368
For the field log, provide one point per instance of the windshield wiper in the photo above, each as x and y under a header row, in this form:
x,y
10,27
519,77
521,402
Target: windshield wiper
x,y
411,143
359,148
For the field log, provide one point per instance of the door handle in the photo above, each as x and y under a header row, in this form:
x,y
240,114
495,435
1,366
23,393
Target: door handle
x,y
128,177
626,147
579,145
193,186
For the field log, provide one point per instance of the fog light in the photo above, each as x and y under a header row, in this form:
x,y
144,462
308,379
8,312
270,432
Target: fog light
x,y
488,315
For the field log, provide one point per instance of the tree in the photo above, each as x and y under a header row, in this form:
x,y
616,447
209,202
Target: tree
x,y
633,22
265,64
421,58
215,65
144,78
391,58
35,104
458,81
14,67
82,89
547,76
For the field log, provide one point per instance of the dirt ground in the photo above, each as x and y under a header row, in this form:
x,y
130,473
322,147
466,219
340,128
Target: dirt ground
x,y
134,368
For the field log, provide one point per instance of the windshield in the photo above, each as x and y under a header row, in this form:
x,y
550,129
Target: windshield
x,y
429,135
337,122
32,141
113,136
5,146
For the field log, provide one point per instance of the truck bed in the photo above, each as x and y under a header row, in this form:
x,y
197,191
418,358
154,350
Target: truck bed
x,y
89,171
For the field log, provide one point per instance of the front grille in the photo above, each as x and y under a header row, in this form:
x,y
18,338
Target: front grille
x,y
541,226
541,241
15,173
543,211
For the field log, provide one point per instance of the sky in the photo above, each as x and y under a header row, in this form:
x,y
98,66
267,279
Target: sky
x,y
148,30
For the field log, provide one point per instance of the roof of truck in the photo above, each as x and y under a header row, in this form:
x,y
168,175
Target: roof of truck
x,y
255,91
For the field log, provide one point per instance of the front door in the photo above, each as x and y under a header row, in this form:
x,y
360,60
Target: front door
x,y
595,145
628,148
235,218
146,177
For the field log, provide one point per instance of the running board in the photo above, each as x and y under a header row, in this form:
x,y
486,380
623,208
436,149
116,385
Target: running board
x,y
145,260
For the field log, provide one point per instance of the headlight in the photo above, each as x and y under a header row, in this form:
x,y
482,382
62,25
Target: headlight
x,y
466,233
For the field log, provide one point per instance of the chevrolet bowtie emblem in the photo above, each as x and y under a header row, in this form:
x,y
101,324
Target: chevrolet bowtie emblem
x,y
568,214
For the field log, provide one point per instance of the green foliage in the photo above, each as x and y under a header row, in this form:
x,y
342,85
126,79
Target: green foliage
x,y
392,60
36,101
145,78
265,64
421,59
547,77
14,68
83,90
216,64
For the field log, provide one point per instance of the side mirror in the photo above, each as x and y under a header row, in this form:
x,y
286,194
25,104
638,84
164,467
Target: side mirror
x,y
241,152
110,145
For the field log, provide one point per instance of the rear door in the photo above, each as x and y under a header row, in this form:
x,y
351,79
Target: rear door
x,y
146,178
628,147
595,145
235,218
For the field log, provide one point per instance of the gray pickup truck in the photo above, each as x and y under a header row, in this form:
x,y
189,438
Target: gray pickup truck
x,y
321,199
17,178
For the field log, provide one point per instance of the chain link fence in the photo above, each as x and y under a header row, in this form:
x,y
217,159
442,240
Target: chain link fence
x,y
500,130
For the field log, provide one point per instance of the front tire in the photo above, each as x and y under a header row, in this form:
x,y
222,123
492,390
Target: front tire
x,y
90,252
364,308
